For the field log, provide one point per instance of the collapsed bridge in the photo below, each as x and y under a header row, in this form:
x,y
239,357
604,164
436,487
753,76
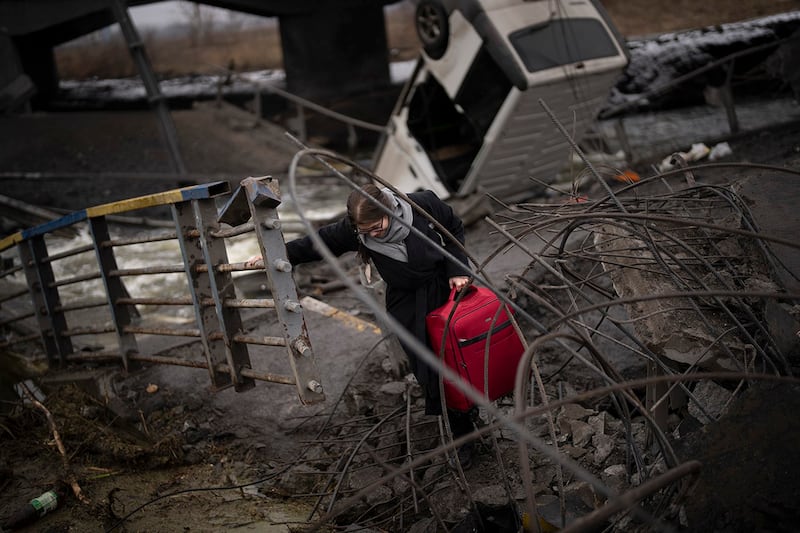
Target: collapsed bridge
x,y
662,267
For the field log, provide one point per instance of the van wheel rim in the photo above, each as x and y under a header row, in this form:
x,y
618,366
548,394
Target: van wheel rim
x,y
429,23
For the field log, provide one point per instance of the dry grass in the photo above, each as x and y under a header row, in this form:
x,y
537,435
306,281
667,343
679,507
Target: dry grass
x,y
250,49
645,17
400,33
95,59
254,49
242,50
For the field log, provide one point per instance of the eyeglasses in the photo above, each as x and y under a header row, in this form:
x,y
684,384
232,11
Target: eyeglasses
x,y
378,226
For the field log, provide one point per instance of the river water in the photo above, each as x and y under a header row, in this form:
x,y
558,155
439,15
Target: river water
x,y
320,203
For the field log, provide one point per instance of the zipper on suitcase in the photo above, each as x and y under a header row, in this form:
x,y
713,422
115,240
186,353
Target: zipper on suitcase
x,y
483,336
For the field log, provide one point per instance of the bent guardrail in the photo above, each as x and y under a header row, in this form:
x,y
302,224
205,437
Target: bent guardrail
x,y
202,233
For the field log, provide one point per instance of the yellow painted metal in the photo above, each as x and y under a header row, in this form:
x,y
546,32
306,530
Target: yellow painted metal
x,y
7,242
162,198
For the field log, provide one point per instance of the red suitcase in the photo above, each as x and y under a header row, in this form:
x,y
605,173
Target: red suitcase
x,y
465,344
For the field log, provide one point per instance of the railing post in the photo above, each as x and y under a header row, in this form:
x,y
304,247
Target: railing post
x,y
115,289
39,275
201,286
229,320
727,99
624,142
263,198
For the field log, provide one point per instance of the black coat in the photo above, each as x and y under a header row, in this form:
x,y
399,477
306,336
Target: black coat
x,y
413,289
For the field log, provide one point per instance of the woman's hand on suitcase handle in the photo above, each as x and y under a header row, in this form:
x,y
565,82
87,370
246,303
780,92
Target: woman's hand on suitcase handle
x,y
459,282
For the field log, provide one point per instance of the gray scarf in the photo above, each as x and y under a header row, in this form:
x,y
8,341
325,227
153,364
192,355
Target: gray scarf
x,y
393,243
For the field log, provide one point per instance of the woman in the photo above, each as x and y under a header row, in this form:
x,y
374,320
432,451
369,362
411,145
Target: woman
x,y
418,276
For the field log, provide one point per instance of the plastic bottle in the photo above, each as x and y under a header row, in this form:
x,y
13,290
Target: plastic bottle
x,y
34,509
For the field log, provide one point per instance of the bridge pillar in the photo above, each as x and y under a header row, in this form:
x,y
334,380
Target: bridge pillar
x,y
39,63
8,58
15,87
335,52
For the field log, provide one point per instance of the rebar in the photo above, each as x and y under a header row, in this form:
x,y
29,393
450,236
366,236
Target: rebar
x,y
677,242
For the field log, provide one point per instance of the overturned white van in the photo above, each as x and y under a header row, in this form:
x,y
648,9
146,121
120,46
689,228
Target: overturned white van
x,y
470,118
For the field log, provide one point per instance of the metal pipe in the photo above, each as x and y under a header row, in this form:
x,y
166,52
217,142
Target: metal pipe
x,y
253,303
140,240
79,306
10,271
178,269
16,318
69,253
175,269
76,279
154,301
302,102
227,267
259,303
232,232
88,330
17,294
264,341
187,332
20,340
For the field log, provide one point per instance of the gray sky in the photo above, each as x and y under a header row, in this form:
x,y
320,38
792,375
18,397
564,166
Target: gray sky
x,y
159,14
163,14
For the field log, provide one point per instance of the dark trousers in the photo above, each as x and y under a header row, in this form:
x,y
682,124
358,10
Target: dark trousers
x,y
460,423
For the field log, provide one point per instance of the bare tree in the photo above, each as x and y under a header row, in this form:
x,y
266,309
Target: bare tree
x,y
200,21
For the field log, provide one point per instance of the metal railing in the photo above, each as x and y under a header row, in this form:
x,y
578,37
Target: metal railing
x,y
42,308
301,106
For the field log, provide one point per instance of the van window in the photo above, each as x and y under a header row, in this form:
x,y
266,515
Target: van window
x,y
562,42
450,137
483,91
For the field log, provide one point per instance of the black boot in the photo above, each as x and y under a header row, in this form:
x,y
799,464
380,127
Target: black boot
x,y
466,453
461,424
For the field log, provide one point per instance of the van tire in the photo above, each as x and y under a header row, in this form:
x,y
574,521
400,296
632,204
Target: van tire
x,y
433,27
